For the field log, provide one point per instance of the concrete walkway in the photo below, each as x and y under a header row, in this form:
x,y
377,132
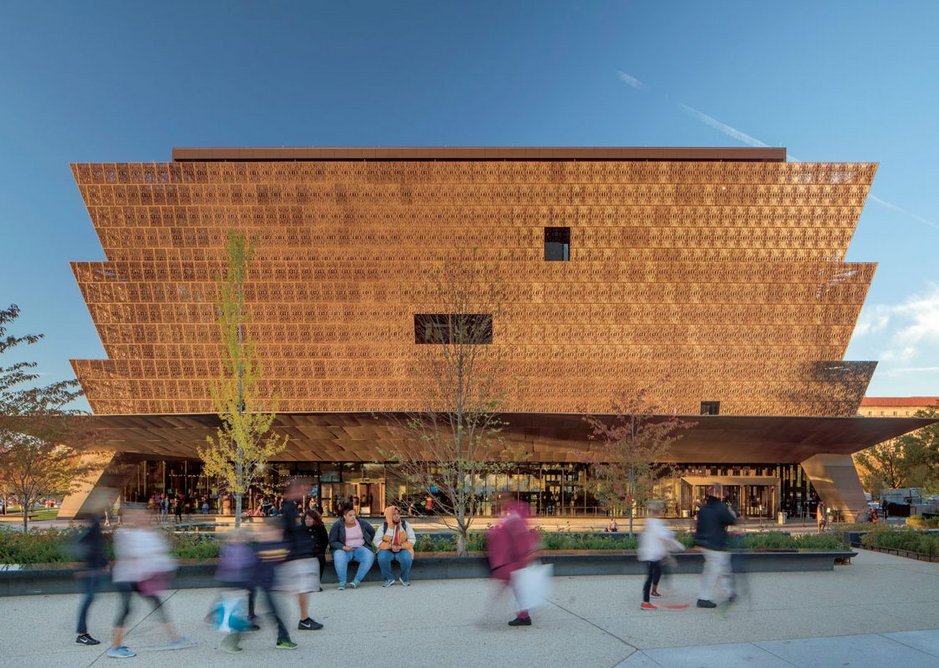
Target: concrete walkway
x,y
879,611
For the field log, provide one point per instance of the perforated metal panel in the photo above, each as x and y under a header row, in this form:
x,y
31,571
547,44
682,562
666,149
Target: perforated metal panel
x,y
725,277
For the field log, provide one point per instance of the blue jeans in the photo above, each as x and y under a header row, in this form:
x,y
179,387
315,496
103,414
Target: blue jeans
x,y
341,560
404,559
91,586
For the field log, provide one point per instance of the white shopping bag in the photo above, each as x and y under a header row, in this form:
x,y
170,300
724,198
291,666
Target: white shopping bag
x,y
532,584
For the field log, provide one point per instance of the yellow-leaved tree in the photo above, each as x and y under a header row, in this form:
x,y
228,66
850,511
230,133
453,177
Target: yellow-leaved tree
x,y
244,443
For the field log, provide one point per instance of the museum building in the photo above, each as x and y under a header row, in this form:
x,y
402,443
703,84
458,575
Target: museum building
x,y
713,279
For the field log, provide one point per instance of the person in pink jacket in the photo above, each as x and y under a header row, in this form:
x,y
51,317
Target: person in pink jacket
x,y
511,544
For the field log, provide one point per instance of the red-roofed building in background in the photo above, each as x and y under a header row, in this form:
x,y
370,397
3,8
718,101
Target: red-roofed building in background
x,y
895,406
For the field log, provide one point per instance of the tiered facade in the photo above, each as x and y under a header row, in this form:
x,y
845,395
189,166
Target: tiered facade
x,y
729,275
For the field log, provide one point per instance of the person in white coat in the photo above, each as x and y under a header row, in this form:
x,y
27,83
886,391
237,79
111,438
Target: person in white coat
x,y
655,544
144,566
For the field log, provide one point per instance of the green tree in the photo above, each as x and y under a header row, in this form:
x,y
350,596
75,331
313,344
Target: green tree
x,y
635,440
921,454
40,448
244,443
911,460
882,466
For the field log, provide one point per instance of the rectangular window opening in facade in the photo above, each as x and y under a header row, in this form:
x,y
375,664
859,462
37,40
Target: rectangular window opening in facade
x,y
710,408
453,328
557,244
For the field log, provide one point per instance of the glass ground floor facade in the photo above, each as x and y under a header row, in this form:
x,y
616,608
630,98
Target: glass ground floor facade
x,y
568,489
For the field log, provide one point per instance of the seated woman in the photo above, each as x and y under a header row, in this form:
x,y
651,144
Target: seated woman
x,y
349,537
395,542
611,527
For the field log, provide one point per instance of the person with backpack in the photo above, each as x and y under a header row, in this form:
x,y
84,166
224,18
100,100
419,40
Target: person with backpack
x,y
395,542
90,549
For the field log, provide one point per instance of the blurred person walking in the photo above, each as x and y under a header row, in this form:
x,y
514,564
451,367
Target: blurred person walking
x,y
511,545
655,544
91,549
395,542
143,565
236,566
300,574
319,536
711,538
350,539
271,551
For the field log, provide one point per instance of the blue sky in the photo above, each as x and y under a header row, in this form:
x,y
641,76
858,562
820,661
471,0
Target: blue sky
x,y
127,81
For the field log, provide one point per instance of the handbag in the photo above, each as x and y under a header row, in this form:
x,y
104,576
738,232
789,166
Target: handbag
x,y
532,584
155,584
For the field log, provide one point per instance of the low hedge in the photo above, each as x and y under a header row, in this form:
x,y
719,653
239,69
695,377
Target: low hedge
x,y
902,538
920,522
55,546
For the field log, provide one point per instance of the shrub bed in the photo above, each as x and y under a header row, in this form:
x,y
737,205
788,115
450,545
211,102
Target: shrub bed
x,y
906,539
55,546
923,522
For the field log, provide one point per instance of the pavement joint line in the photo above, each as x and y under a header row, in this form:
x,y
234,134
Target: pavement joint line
x,y
596,626
127,632
918,649
783,659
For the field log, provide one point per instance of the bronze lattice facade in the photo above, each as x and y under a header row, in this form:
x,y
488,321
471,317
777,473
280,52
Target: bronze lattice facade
x,y
727,272
709,275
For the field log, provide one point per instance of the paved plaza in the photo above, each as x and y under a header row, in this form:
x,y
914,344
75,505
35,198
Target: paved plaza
x,y
879,611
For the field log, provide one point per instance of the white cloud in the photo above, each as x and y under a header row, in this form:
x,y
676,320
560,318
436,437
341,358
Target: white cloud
x,y
905,370
630,80
894,207
873,320
907,327
723,127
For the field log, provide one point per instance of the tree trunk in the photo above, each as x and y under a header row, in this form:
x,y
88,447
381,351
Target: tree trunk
x,y
239,476
25,518
632,474
632,498
461,539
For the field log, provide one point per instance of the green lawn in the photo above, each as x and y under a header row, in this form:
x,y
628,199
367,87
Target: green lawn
x,y
35,513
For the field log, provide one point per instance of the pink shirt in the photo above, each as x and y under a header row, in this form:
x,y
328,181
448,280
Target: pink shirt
x,y
354,536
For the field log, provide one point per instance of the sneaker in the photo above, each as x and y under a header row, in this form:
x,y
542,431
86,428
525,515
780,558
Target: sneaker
x,y
182,642
706,604
253,626
406,583
655,594
85,639
521,621
342,586
354,584
121,652
309,624
230,644
388,583
286,643
648,606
